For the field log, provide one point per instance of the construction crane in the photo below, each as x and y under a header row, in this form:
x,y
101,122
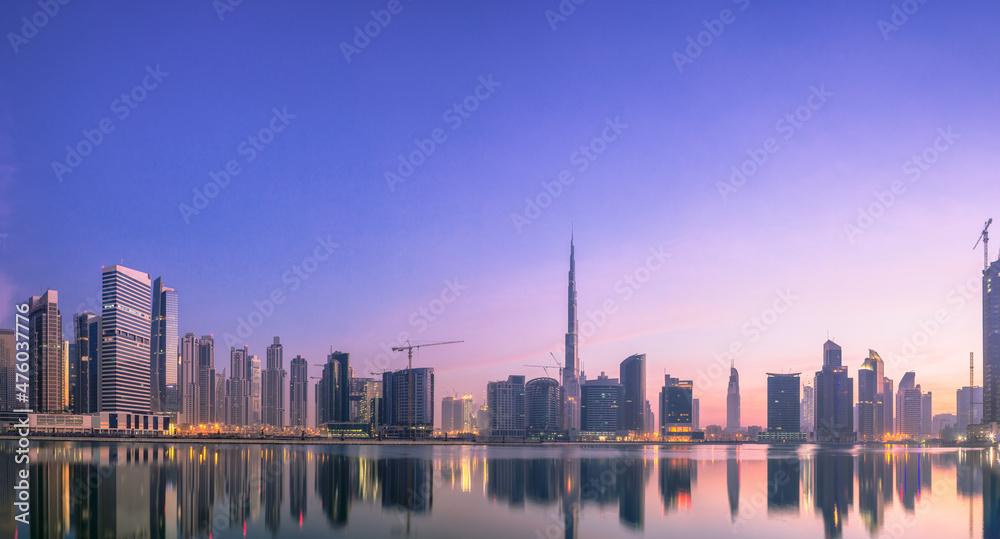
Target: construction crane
x,y
409,368
985,238
547,367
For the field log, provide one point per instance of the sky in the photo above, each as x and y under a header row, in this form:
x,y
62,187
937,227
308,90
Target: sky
x,y
739,176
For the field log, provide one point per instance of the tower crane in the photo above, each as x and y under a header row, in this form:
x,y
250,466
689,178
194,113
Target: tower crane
x,y
985,238
409,354
547,367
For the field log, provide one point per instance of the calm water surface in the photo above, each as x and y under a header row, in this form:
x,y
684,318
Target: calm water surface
x,y
218,490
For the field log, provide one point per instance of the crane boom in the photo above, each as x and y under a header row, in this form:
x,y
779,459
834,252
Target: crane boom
x,y
985,238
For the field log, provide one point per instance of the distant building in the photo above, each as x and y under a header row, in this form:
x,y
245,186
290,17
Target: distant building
x,y
807,409
189,388
272,391
163,353
125,328
675,409
297,394
253,402
343,413
464,414
733,401
963,398
909,407
571,372
328,397
238,387
926,414
943,421
448,414
397,402
601,406
505,401
483,420
221,403
87,334
650,419
47,372
834,420
632,372
696,414
8,372
888,405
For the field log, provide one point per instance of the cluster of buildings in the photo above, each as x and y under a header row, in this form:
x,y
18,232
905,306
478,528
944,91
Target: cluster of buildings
x,y
127,369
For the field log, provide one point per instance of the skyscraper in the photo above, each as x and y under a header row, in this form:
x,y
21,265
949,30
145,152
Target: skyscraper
x,y
163,349
834,398
543,405
991,343
783,403
8,374
909,406
601,405
221,400
571,370
926,415
505,400
238,389
888,406
807,409
675,408
328,398
125,330
962,396
396,401
87,334
273,387
253,402
297,398
212,396
733,400
47,374
343,410
190,390
633,378
447,414
871,399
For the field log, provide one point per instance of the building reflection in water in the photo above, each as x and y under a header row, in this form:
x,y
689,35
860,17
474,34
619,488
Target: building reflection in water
x,y
193,490
834,489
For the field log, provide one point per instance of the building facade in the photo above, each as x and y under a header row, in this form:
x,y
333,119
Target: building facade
x,y
632,373
601,406
505,401
125,329
47,374
571,370
733,401
783,398
163,352
676,401
298,393
834,419
272,393
543,406
405,413
991,343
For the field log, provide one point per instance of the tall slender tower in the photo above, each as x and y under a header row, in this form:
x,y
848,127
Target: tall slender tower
x,y
123,383
571,370
733,400
47,373
163,349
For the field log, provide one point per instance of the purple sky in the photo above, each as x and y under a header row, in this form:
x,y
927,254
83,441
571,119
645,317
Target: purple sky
x,y
849,102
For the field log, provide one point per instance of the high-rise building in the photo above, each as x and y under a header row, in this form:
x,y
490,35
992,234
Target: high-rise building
x,y
505,400
834,420
695,414
926,415
125,330
253,403
87,334
807,412
447,414
272,393
650,419
676,400
327,393
601,406
633,378
297,393
343,409
8,372
238,387
909,406
783,403
543,405
211,398
733,400
221,398
571,370
465,411
888,406
163,349
69,375
991,343
963,400
871,399
189,388
399,415
47,373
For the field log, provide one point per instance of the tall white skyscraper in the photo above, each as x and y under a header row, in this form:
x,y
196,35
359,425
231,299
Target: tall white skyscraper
x,y
273,387
163,355
733,400
571,370
125,330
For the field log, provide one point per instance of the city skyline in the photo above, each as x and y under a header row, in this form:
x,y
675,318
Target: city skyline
x,y
817,239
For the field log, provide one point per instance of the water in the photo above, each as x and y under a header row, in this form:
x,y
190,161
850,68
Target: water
x,y
234,490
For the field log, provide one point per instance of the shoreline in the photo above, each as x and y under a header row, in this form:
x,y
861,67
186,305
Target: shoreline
x,y
376,442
